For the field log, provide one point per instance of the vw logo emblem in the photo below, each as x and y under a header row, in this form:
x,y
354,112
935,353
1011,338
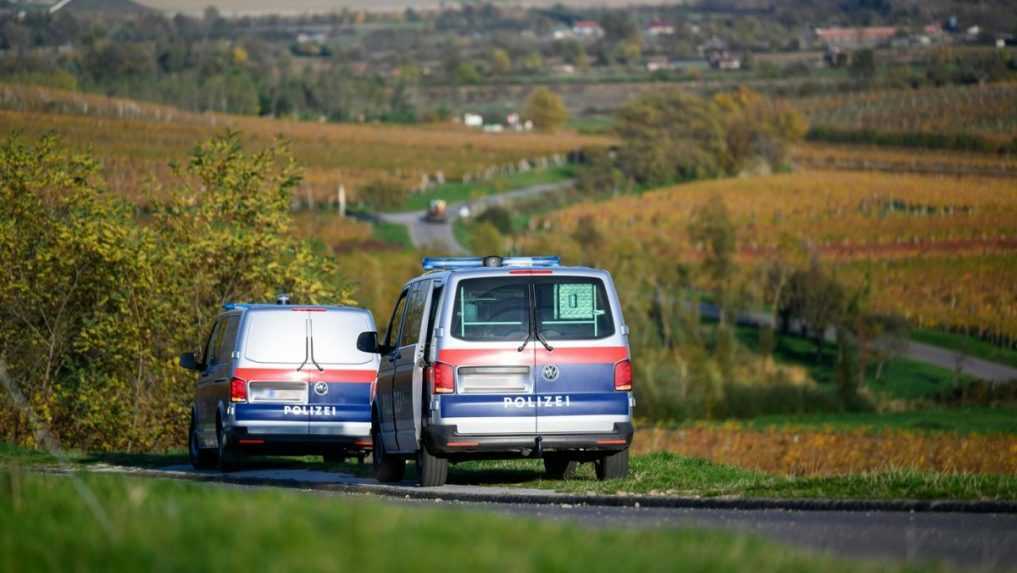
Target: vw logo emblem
x,y
321,388
550,373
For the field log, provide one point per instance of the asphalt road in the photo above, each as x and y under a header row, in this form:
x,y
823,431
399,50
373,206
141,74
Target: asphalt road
x,y
982,541
424,234
969,541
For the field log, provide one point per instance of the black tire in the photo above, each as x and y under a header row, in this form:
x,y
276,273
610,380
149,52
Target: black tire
x,y
432,471
560,467
201,458
227,458
387,468
334,456
613,466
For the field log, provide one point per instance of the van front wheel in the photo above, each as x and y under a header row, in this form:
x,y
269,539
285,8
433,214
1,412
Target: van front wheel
x,y
613,466
387,468
432,471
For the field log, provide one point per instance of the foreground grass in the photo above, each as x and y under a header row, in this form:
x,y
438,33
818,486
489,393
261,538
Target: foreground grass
x,y
972,420
178,526
673,474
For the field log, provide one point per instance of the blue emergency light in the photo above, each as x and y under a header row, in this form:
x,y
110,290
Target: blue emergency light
x,y
452,263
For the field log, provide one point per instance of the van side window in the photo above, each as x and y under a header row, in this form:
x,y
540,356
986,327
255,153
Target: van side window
x,y
225,351
414,313
395,321
208,350
215,345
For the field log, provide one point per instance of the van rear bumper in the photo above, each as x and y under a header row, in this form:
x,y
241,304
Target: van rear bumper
x,y
446,441
290,439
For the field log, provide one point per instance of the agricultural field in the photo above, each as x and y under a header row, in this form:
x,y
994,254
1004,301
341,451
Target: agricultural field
x,y
262,7
937,250
136,142
984,111
827,156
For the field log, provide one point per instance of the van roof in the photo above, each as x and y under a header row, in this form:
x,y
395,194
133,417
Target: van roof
x,y
244,306
446,274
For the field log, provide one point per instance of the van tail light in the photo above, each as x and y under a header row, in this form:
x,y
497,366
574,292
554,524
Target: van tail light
x,y
623,375
238,390
442,378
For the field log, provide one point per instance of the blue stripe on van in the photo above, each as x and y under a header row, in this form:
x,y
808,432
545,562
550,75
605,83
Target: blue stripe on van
x,y
550,404
577,378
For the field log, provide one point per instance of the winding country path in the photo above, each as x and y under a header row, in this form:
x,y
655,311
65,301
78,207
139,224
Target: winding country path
x,y
424,234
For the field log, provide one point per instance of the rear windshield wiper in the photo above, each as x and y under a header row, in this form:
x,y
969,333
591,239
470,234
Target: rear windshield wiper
x,y
540,338
307,355
525,341
309,352
313,361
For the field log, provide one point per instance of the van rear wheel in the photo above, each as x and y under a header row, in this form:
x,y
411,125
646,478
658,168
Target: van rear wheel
x,y
559,467
227,458
201,458
334,456
432,471
612,466
387,468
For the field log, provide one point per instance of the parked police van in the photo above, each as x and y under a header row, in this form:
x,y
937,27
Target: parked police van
x,y
498,358
282,379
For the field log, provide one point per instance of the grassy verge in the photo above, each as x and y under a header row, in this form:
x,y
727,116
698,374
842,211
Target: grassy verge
x,y
655,473
463,232
458,192
674,474
392,234
179,526
900,378
971,420
967,345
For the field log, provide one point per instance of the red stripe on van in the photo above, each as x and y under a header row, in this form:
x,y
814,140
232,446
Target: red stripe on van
x,y
510,357
486,357
308,374
590,355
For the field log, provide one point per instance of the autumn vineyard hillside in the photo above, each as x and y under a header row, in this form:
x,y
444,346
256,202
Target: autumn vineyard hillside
x,y
940,251
136,142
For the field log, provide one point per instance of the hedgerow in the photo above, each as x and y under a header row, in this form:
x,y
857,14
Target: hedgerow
x,y
97,300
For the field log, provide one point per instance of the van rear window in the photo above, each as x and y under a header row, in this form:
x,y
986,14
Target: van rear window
x,y
495,309
279,337
499,309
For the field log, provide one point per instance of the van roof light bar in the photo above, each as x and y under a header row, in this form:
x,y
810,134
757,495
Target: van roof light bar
x,y
234,306
452,263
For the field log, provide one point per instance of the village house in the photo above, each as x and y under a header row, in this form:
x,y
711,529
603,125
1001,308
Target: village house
x,y
658,28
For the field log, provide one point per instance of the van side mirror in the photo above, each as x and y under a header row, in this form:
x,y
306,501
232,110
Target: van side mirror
x,y
189,361
368,342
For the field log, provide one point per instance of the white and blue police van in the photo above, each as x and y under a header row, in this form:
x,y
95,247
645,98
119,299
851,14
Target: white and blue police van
x,y
491,357
281,379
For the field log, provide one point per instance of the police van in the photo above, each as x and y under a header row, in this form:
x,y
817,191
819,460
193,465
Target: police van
x,y
500,358
281,379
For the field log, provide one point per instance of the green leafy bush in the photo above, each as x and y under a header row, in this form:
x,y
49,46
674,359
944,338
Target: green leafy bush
x,y
96,302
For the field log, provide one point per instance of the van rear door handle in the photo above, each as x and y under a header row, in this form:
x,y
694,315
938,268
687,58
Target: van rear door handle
x,y
219,380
